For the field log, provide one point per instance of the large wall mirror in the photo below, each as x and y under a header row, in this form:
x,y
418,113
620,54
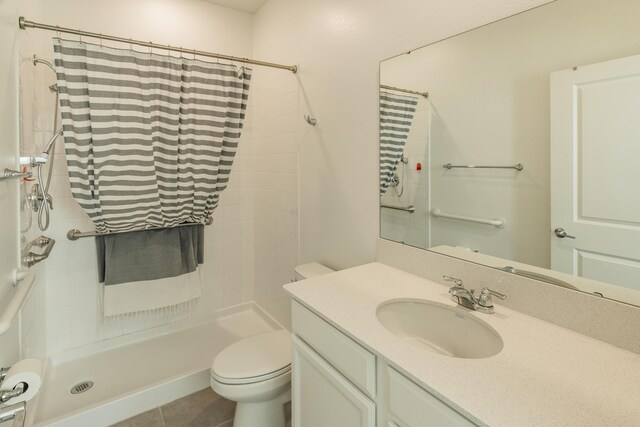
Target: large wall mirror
x,y
517,145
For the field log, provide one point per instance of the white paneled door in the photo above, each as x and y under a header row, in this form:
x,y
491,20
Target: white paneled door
x,y
595,171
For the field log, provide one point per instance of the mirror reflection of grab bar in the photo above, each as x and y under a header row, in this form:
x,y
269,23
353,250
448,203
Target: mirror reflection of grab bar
x,y
517,167
498,222
539,276
409,208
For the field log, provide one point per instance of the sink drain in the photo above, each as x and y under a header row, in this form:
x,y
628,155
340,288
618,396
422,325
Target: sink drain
x,y
81,387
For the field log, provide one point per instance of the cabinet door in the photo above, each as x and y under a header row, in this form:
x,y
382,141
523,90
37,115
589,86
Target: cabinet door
x,y
322,397
412,406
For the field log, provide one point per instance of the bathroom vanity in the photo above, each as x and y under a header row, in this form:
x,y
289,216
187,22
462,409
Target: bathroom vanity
x,y
351,370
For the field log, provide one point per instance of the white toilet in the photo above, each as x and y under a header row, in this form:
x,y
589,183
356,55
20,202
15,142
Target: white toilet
x,y
256,371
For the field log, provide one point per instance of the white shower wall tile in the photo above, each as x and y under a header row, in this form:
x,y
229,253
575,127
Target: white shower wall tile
x,y
275,220
73,313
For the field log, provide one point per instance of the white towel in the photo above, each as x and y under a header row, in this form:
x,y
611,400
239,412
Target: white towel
x,y
170,294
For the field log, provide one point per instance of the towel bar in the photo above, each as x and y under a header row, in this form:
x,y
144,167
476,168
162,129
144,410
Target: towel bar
x,y
76,234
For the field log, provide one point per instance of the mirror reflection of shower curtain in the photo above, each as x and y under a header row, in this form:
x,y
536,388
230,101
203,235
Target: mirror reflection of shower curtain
x,y
396,118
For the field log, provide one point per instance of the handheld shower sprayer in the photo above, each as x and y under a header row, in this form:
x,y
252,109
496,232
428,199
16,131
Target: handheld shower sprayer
x,y
42,202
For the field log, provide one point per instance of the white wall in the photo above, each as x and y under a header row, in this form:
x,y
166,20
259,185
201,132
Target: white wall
x,y
72,311
276,129
338,44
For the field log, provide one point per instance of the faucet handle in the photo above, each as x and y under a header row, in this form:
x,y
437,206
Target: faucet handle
x,y
485,297
456,281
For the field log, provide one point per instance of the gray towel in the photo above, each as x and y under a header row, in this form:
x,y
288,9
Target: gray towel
x,y
149,254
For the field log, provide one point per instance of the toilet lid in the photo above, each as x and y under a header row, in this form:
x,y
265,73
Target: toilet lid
x,y
256,356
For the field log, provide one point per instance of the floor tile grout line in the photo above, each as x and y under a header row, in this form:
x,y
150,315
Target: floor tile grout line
x,y
225,422
162,416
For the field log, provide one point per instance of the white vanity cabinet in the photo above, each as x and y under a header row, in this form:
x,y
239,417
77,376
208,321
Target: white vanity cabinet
x,y
333,377
339,383
323,397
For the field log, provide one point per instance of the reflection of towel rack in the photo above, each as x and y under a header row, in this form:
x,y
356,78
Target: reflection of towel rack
x,y
517,167
498,222
409,208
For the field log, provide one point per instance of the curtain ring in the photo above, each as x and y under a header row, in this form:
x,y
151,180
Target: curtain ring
x,y
58,34
194,54
131,46
169,53
150,49
80,37
181,52
100,40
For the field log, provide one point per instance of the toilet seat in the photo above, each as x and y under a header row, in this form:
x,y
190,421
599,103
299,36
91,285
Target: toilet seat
x,y
254,359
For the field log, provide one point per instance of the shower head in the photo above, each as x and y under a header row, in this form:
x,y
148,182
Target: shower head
x,y
37,60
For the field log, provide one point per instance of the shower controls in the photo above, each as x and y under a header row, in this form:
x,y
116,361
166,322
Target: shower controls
x,y
45,243
36,198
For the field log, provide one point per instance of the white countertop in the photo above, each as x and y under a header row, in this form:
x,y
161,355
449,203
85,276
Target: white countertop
x,y
544,376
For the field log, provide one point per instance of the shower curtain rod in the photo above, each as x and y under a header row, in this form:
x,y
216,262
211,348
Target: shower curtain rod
x,y
24,24
399,89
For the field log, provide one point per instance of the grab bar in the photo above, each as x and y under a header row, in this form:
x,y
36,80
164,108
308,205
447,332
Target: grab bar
x,y
13,174
19,296
517,167
14,412
498,222
76,234
409,208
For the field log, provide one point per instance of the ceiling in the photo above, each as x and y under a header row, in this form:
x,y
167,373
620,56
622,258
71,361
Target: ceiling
x,y
250,6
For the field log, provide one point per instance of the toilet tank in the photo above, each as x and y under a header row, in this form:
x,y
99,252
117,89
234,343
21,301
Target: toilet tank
x,y
309,270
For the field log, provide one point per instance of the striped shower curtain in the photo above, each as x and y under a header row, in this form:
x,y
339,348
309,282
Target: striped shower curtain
x,y
150,139
396,117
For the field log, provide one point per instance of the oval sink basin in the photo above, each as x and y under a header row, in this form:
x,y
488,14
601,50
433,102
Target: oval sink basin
x,y
439,328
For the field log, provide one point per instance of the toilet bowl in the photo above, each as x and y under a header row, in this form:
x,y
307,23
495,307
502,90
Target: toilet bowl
x,y
256,371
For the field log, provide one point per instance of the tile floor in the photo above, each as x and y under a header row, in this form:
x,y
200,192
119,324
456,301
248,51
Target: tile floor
x,y
201,409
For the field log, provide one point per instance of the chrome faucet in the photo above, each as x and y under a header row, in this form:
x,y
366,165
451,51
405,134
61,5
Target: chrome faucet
x,y
466,297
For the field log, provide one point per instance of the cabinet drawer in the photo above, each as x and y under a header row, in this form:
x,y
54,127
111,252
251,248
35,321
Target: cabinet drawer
x,y
412,406
352,360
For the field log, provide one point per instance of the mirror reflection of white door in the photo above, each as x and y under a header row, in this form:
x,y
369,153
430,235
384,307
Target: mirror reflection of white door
x,y
595,171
